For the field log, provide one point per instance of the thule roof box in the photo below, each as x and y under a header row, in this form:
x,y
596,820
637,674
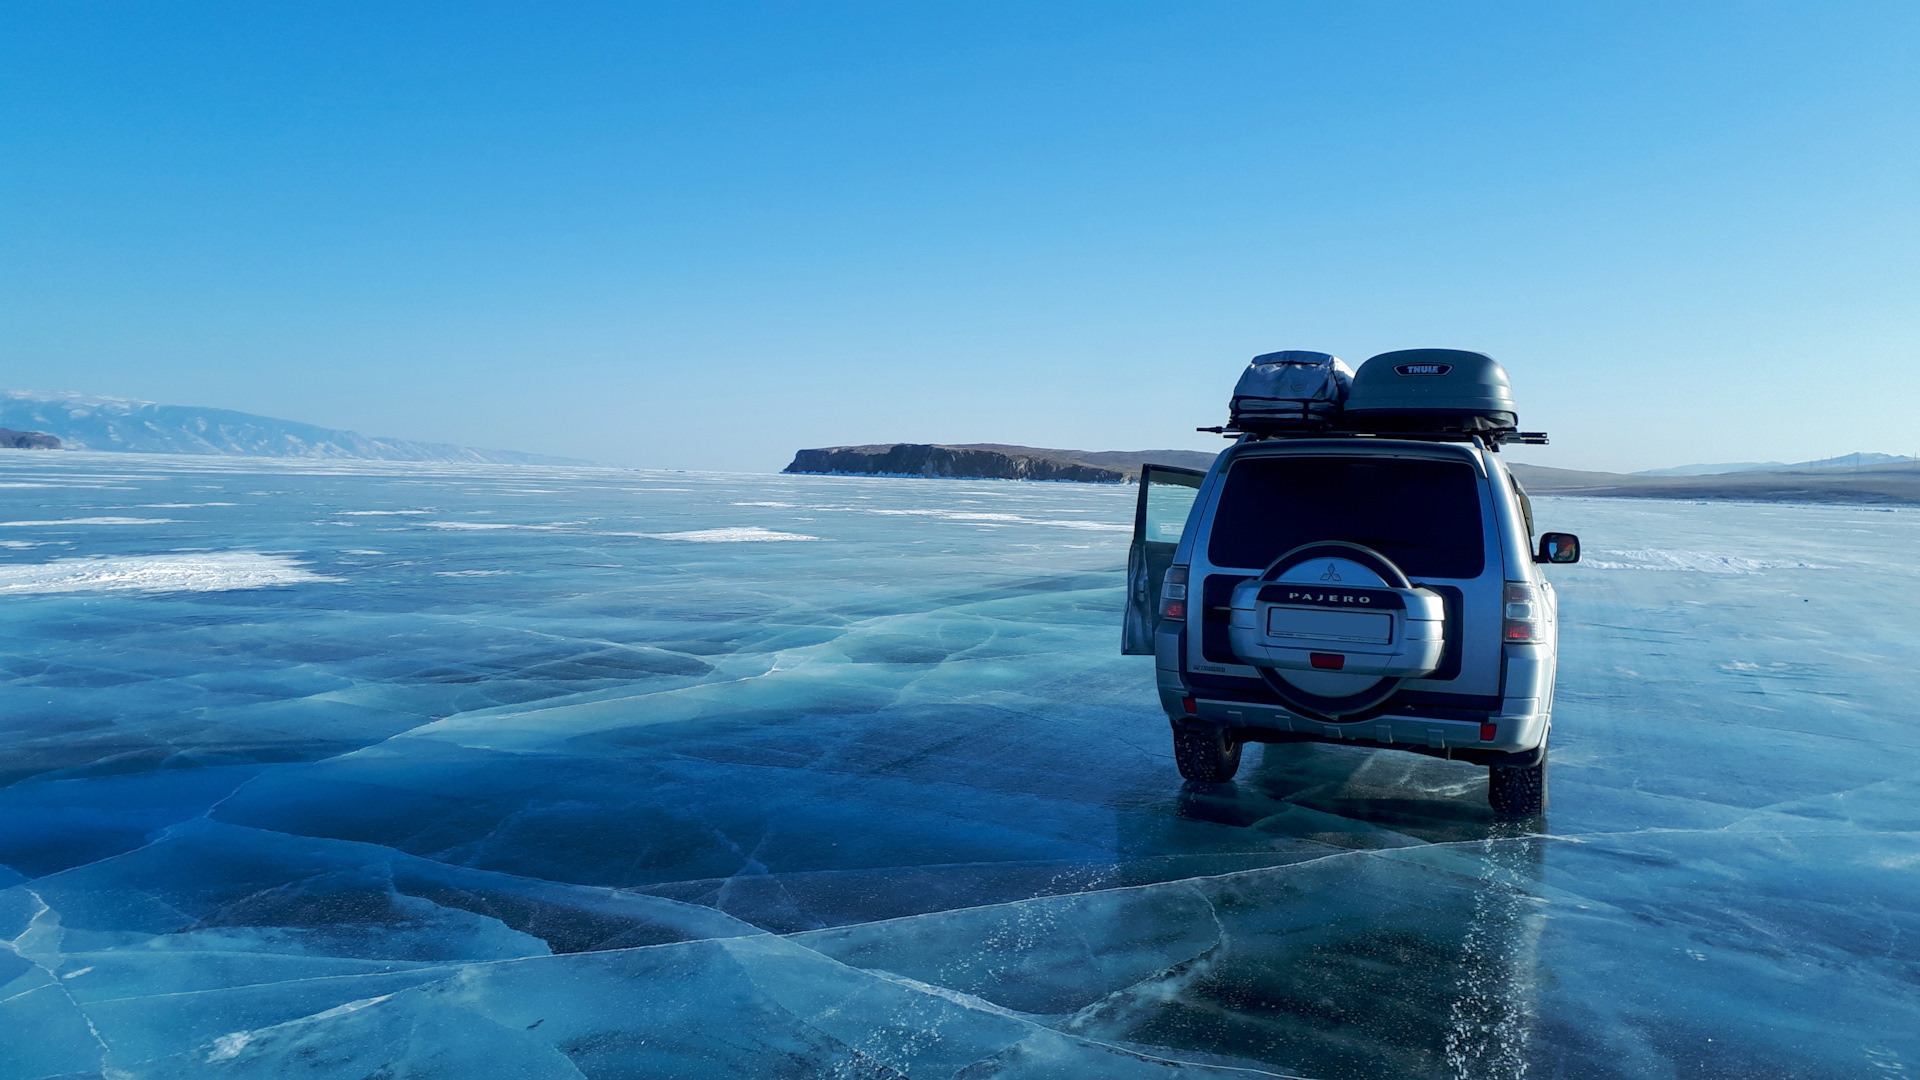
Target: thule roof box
x,y
1448,394
1432,390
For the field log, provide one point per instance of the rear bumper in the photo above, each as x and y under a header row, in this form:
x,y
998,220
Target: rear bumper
x,y
1519,723
1518,727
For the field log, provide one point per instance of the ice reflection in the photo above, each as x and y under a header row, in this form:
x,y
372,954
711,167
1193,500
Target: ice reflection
x,y
1408,946
1492,1014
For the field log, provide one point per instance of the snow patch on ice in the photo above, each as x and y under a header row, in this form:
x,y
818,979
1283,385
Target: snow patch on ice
x,y
748,534
209,572
491,525
980,517
955,515
93,521
229,1046
1696,561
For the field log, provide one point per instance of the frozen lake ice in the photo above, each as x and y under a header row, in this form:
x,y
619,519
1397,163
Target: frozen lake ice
x,y
350,769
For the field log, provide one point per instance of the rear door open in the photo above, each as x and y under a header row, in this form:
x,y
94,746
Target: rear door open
x,y
1159,517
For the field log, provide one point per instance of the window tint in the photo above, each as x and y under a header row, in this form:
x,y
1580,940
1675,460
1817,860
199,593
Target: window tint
x,y
1424,515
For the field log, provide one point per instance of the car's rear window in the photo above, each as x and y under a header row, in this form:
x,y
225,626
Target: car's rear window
x,y
1424,515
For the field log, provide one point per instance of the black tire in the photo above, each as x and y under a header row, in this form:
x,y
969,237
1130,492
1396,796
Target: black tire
x,y
1206,753
1518,791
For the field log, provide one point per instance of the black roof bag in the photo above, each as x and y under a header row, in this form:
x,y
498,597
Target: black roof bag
x,y
1290,391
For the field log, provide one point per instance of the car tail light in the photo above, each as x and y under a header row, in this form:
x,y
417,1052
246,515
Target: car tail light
x,y
1173,595
1521,618
1327,661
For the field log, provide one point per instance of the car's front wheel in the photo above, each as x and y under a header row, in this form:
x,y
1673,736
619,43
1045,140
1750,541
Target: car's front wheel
x,y
1518,791
1206,753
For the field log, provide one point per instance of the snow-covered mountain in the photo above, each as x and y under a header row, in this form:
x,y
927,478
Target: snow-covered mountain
x,y
83,422
1844,461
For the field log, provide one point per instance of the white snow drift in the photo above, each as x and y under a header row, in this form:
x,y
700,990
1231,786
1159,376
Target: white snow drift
x,y
747,534
217,571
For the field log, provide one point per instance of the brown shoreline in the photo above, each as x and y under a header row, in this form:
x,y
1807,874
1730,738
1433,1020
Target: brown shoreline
x,y
1887,485
1895,484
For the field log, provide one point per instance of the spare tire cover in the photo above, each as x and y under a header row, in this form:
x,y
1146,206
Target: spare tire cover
x,y
1331,695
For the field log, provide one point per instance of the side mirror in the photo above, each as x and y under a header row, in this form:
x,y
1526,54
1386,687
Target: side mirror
x,y
1558,548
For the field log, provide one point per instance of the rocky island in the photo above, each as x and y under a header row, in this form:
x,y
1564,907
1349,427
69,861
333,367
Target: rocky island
x,y
990,461
27,440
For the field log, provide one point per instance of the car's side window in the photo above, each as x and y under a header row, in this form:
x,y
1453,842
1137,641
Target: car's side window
x,y
1526,505
1159,517
1166,511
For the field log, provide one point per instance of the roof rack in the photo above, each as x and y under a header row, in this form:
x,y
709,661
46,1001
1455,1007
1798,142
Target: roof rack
x,y
1492,440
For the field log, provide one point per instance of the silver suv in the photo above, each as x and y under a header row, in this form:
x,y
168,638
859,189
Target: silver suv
x,y
1348,584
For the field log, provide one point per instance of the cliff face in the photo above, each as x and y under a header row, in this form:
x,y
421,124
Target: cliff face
x,y
922,459
27,440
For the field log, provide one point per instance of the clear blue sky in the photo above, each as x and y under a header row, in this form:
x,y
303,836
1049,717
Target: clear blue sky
x,y
704,235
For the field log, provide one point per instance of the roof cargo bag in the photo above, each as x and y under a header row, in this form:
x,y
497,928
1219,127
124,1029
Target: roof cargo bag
x,y
1290,391
1438,390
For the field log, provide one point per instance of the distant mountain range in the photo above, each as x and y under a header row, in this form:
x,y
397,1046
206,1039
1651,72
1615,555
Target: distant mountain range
x,y
82,422
1844,461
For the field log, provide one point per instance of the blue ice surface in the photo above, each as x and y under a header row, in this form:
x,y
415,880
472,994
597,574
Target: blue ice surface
x,y
346,769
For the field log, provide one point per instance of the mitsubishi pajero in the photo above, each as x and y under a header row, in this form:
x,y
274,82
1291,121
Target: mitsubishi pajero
x,y
1358,567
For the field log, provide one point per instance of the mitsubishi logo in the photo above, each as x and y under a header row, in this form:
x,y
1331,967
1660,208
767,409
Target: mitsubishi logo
x,y
1332,574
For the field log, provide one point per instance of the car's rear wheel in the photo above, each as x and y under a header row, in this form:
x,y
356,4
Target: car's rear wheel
x,y
1206,753
1518,791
